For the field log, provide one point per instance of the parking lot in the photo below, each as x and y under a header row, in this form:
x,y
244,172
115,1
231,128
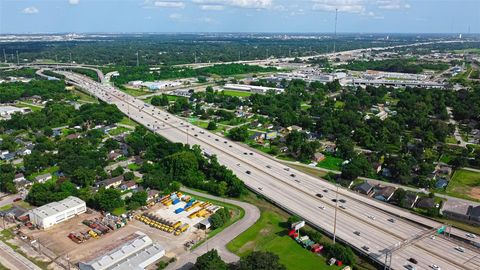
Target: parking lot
x,y
56,238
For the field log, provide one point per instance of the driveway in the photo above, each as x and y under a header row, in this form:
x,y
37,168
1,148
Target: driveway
x,y
219,241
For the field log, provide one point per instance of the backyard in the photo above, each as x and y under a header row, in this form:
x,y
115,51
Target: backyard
x,y
465,184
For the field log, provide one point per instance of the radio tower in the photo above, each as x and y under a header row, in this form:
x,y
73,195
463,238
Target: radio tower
x,y
335,33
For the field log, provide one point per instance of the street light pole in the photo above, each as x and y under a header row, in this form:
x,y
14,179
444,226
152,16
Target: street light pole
x,y
335,218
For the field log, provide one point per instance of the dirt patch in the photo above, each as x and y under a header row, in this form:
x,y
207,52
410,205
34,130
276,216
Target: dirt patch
x,y
474,192
250,245
265,231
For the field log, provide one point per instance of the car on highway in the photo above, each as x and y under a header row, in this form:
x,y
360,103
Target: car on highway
x,y
471,235
435,267
286,169
413,260
410,267
365,248
321,207
296,180
217,140
342,200
248,172
391,220
334,200
325,190
268,166
319,195
251,154
261,188
343,207
292,175
356,233
245,153
224,141
371,217
460,249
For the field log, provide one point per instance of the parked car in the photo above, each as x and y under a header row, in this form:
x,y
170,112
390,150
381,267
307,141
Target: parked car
x,y
319,195
412,260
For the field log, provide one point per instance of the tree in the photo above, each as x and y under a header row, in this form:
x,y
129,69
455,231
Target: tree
x,y
108,199
358,166
260,260
137,199
345,148
7,174
212,125
128,176
83,177
220,217
160,100
210,261
239,133
117,171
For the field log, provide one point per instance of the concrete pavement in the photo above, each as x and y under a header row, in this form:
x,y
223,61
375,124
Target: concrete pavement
x,y
219,241
13,260
297,192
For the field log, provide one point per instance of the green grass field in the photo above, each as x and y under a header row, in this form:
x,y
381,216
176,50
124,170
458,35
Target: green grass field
x,y
331,163
118,131
269,234
236,93
128,122
465,184
134,92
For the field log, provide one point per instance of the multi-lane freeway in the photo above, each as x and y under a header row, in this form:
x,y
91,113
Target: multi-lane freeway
x,y
370,226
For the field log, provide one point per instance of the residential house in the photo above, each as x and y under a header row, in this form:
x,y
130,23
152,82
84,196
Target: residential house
x,y
410,199
257,136
73,136
24,152
294,128
462,211
426,203
317,157
441,183
329,148
43,178
114,155
129,185
364,188
19,177
152,194
8,156
111,183
383,193
443,169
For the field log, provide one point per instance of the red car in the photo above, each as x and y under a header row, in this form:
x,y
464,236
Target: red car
x,y
17,199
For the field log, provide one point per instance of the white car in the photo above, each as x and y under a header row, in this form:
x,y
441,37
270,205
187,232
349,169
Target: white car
x,y
461,249
371,217
471,235
435,267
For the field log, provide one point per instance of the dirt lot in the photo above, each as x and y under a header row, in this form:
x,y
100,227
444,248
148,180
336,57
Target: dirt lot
x,y
56,238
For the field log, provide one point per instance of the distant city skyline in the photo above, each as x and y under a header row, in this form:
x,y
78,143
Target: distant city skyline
x,y
283,16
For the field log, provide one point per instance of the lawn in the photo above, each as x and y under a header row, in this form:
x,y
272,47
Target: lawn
x,y
118,131
133,92
119,211
269,234
50,170
6,207
127,121
234,93
331,163
465,184
31,107
84,97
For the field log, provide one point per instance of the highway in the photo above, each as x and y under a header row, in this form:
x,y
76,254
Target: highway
x,y
296,192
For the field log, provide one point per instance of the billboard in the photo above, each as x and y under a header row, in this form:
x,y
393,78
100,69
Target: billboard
x,y
298,225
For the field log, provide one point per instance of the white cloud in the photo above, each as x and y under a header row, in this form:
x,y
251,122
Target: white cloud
x,y
30,10
348,6
176,16
392,4
255,4
73,2
212,7
169,4
208,20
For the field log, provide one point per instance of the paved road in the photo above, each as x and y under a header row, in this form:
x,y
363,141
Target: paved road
x,y
13,260
219,241
297,192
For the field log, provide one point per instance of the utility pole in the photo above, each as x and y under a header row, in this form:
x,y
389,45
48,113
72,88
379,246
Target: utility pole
x,y
18,60
195,56
138,62
4,56
70,57
335,34
335,218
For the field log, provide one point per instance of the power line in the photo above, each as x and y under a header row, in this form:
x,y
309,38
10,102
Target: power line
x,y
335,34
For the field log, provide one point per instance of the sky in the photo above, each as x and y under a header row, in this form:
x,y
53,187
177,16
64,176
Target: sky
x,y
299,16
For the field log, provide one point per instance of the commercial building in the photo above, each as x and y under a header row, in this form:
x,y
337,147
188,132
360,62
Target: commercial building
x,y
134,252
252,88
53,213
7,111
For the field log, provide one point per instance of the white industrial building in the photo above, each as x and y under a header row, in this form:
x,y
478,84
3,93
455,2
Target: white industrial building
x,y
53,213
134,252
7,111
252,88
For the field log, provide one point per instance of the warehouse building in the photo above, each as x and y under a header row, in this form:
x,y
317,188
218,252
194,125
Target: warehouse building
x,y
134,252
53,213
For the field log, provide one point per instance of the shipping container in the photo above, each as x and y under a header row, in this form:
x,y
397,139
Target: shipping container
x,y
176,201
178,210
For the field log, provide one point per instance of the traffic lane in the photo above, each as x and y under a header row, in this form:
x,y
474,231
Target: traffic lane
x,y
443,246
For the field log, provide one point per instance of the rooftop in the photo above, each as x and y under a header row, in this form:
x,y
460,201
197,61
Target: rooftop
x,y
53,208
